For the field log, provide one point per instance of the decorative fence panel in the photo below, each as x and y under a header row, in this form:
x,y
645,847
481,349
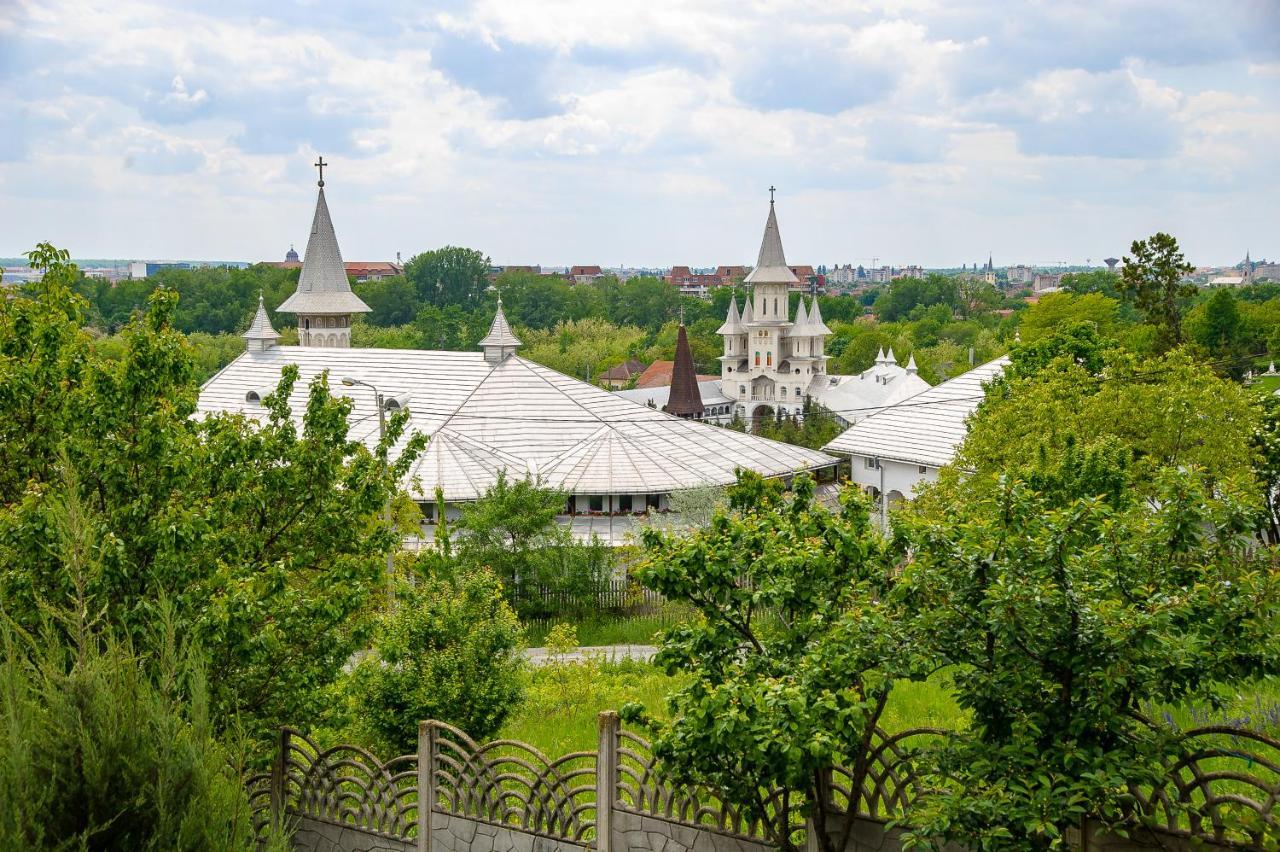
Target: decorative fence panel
x,y
1222,791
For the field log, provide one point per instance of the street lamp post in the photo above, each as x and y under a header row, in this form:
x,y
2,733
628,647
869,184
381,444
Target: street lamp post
x,y
386,509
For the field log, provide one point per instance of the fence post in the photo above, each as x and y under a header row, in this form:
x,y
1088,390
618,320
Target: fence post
x,y
279,772
426,783
606,779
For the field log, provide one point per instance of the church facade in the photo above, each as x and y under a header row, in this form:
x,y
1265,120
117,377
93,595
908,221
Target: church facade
x,y
773,362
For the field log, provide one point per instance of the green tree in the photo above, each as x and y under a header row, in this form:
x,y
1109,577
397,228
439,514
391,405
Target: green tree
x,y
450,651
643,301
1055,310
264,537
1168,411
583,348
790,667
898,299
97,755
1153,278
449,276
392,300
1220,328
1104,282
512,530
1068,598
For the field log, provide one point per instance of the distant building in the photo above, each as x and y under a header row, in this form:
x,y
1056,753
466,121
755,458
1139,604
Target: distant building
x,y
700,284
1021,274
1111,263
371,270
291,256
584,274
618,377
1046,282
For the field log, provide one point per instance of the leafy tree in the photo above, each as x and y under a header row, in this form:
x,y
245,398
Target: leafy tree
x,y
791,664
1220,328
1057,309
1068,595
264,537
975,296
42,363
583,348
449,651
1104,282
1153,278
512,530
901,296
1266,444
643,301
1169,411
449,276
392,300
450,327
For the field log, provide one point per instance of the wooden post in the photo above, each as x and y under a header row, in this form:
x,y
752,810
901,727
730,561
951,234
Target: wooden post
x,y
426,783
279,772
606,779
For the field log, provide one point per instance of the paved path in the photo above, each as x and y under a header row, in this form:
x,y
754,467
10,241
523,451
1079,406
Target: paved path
x,y
610,653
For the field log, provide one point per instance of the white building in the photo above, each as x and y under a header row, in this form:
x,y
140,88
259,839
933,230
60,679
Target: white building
x,y
491,411
895,451
772,363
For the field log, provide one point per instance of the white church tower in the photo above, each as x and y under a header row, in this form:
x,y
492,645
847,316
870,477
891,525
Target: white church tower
x,y
323,301
769,361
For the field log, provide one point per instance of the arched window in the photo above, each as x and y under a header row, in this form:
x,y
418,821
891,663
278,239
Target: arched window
x,y
768,359
757,358
742,390
775,305
784,393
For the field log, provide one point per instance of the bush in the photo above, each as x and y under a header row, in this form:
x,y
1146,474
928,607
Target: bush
x,y
449,651
99,756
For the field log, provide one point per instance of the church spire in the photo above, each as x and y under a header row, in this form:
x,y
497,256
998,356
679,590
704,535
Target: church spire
x,y
801,326
685,400
732,322
816,325
501,341
771,265
323,300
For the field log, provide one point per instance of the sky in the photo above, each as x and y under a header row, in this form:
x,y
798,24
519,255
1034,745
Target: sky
x,y
643,133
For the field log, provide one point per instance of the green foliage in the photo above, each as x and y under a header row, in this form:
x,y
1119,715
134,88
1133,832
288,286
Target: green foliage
x,y
97,755
264,538
814,428
903,295
1168,411
449,276
583,348
791,664
1054,310
1219,324
392,301
449,651
1068,596
1153,278
512,531
1104,282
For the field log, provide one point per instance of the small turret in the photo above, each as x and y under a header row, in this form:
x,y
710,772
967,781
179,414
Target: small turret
x,y
501,342
261,336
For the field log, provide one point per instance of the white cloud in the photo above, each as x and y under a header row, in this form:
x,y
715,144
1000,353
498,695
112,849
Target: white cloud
x,y
572,129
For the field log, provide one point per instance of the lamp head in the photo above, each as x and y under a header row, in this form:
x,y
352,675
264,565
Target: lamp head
x,y
348,381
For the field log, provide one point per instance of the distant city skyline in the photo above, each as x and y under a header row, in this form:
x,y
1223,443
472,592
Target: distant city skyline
x,y
570,131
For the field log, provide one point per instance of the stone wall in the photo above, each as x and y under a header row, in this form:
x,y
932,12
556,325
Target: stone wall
x,y
459,834
634,832
314,835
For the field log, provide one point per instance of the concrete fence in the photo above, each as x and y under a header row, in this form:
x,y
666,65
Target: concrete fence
x,y
1222,792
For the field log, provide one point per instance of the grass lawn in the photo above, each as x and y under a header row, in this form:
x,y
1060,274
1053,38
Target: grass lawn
x,y
612,629
562,702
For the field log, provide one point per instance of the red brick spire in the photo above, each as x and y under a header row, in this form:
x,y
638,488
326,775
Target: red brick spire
x,y
685,400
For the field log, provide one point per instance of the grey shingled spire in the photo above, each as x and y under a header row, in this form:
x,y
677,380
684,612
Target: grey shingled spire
x,y
816,326
771,266
801,327
323,288
261,336
732,322
501,341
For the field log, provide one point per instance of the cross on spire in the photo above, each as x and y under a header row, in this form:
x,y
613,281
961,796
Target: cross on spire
x,y
771,190
320,164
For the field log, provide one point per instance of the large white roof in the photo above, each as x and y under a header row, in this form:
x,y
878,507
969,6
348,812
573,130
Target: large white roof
x,y
516,416
854,398
924,429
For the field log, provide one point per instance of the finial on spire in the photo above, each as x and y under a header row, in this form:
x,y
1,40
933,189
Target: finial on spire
x,y
320,164
771,189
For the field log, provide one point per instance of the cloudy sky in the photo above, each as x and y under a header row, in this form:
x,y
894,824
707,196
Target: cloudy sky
x,y
643,133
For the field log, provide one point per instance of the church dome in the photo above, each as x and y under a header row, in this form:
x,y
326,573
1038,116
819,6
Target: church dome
x,y
291,256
